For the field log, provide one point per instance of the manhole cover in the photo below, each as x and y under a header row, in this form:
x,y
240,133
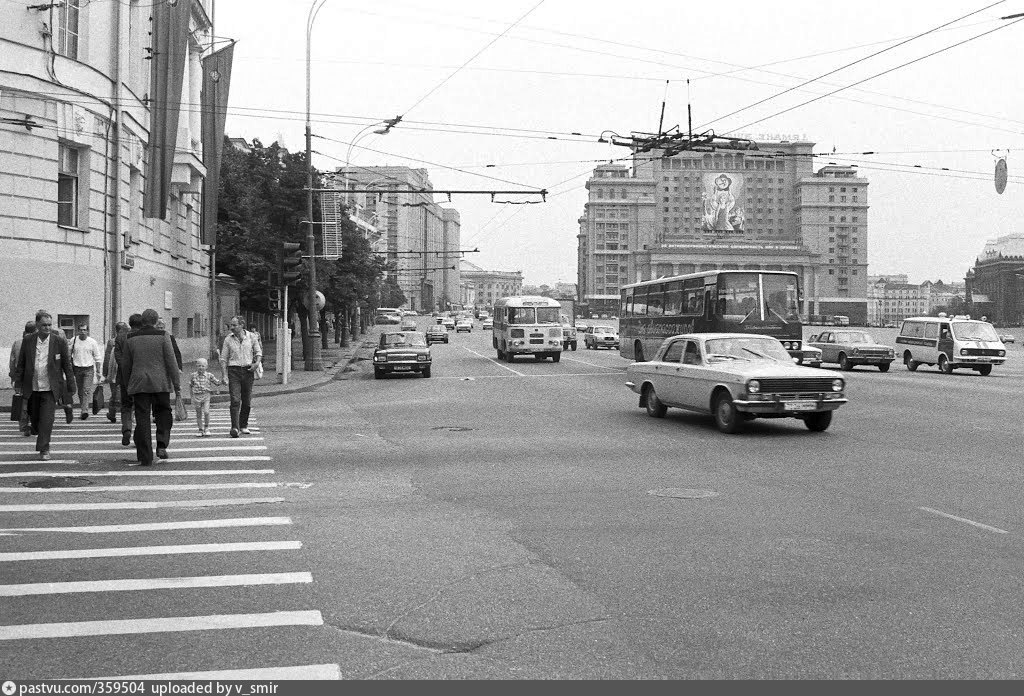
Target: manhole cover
x,y
57,482
682,493
453,428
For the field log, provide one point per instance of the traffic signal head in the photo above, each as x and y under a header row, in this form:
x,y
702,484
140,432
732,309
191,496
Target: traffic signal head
x,y
291,259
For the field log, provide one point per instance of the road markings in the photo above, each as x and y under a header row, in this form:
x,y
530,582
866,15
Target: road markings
x,y
312,672
162,625
136,472
154,526
67,443
203,502
603,367
26,462
979,525
129,585
490,359
155,487
150,550
81,452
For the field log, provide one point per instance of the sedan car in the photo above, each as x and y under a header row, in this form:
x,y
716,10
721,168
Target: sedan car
x,y
437,334
464,325
408,324
487,324
448,323
1007,338
600,337
401,351
809,356
735,377
850,348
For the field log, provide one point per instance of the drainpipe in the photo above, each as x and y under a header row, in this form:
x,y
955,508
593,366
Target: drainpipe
x,y
119,245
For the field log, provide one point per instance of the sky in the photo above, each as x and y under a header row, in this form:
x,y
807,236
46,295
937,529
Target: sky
x,y
491,96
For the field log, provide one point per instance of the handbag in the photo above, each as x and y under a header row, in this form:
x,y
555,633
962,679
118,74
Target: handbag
x,y
180,412
16,407
257,365
99,401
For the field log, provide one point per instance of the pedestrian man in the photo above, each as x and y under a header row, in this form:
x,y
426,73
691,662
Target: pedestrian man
x,y
151,373
127,404
44,375
22,415
111,373
238,358
87,358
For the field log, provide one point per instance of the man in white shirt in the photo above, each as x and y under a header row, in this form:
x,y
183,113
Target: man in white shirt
x,y
238,357
87,358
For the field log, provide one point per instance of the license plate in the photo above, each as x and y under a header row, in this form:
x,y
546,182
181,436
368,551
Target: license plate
x,y
402,367
800,406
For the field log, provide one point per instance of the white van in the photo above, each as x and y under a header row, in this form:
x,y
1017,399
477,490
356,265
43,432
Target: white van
x,y
950,342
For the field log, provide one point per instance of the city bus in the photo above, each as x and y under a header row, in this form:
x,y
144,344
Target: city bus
x,y
527,325
763,302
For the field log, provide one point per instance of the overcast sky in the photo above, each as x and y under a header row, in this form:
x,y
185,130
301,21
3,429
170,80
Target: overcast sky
x,y
532,71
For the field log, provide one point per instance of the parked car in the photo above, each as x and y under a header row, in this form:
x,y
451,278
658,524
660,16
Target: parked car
x,y
437,334
488,324
448,323
850,348
408,324
735,377
1007,338
401,351
464,324
601,337
809,356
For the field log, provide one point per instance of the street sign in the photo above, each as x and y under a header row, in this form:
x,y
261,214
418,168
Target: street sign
x,y
1000,175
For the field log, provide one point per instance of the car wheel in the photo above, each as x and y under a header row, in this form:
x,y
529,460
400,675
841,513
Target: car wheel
x,y
726,416
426,372
818,422
844,362
984,370
883,367
910,362
945,365
655,409
556,357
573,345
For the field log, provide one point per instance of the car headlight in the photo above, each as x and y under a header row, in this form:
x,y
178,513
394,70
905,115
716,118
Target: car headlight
x,y
837,385
380,358
1002,353
423,358
856,351
963,351
891,353
754,387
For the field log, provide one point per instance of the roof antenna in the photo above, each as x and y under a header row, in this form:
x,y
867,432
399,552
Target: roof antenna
x,y
689,110
661,121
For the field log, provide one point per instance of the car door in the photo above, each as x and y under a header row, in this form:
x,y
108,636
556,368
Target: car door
x,y
692,378
826,342
664,373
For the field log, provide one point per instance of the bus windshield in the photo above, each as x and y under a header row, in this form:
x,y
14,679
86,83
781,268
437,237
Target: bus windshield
x,y
533,315
751,296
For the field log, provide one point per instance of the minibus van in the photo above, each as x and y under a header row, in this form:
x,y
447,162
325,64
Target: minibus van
x,y
951,343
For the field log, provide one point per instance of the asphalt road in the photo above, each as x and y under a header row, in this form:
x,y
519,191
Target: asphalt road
x,y
517,521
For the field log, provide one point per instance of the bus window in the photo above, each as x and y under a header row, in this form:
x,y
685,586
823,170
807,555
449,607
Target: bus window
x,y
655,301
640,303
693,300
547,315
780,296
740,293
674,299
627,302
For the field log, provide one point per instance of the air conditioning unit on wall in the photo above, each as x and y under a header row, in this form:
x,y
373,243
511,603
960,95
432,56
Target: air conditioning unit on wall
x,y
127,260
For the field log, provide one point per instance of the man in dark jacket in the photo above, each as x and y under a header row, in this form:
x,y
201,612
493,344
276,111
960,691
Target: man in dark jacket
x,y
22,416
44,375
150,371
127,406
111,372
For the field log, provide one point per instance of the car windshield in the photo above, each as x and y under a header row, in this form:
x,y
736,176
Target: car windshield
x,y
408,338
604,329
974,331
853,337
746,348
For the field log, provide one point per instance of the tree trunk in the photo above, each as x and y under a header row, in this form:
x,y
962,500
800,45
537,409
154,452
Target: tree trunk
x,y
304,331
323,333
337,327
342,324
355,328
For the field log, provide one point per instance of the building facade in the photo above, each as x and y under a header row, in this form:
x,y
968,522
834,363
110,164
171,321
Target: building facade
x,y
74,120
419,238
491,285
754,209
998,276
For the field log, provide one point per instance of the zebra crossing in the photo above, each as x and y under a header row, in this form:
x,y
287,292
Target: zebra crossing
x,y
100,559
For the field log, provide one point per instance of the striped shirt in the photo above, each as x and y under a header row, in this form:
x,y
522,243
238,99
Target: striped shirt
x,y
200,383
240,352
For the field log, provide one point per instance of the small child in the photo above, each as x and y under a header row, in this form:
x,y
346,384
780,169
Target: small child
x,y
199,389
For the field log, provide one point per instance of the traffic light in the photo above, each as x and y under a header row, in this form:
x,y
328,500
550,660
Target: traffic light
x,y
291,259
275,300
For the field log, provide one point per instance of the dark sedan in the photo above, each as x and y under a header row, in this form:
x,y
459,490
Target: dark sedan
x,y
850,348
401,351
437,334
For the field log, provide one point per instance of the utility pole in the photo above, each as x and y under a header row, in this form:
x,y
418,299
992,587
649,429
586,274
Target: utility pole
x,y
314,359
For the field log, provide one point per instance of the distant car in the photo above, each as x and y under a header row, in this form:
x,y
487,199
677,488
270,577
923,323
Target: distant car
x,y
408,324
735,377
1007,338
401,351
582,327
448,322
488,324
464,324
600,337
438,319
810,356
437,334
850,347
569,340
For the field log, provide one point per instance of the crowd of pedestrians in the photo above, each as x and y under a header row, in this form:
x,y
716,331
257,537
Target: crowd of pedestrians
x,y
142,364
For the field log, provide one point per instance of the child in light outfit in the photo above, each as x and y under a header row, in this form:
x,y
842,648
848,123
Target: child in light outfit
x,y
199,388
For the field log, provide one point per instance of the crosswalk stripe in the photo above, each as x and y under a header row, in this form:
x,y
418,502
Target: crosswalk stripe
x,y
66,443
169,449
25,462
154,526
136,472
112,435
59,554
200,503
311,672
155,487
128,585
161,625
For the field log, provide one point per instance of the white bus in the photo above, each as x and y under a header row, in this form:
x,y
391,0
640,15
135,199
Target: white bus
x,y
527,325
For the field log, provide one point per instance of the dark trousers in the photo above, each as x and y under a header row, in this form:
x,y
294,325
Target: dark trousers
x,y
160,405
41,407
126,405
240,389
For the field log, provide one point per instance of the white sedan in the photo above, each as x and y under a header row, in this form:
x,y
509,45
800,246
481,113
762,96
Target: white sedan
x,y
735,377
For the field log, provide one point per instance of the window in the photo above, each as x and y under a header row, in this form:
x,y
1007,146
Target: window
x,y
67,29
68,323
831,271
67,186
674,352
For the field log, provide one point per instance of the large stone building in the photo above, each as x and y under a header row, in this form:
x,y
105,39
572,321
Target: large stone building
x,y
998,275
754,209
491,285
75,100
418,237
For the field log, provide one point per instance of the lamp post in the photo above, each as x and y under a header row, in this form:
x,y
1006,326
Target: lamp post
x,y
314,359
388,124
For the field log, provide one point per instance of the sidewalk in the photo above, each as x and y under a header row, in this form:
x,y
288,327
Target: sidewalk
x,y
335,360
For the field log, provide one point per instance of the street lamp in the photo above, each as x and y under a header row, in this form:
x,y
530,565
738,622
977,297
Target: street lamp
x,y
314,359
388,124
